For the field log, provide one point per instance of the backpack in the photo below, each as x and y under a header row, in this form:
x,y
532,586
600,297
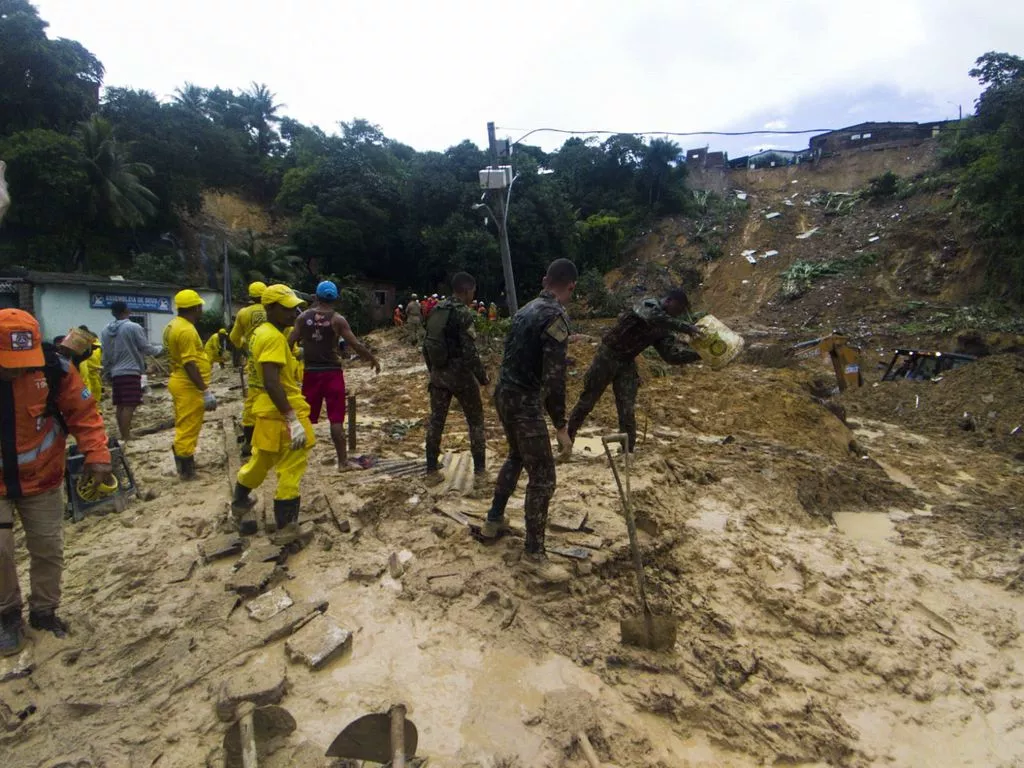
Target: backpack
x,y
441,344
54,372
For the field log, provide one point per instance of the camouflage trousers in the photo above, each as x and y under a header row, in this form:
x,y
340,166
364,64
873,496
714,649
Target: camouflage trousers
x,y
529,447
465,389
622,375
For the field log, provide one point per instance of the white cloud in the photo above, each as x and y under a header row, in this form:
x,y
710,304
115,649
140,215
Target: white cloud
x,y
775,125
432,74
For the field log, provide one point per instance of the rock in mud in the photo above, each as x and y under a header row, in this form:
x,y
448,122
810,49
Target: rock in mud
x,y
266,607
220,546
252,579
22,665
317,643
263,681
291,619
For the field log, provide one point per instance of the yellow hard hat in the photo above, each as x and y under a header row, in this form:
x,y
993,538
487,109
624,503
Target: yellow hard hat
x,y
223,331
187,299
256,290
281,294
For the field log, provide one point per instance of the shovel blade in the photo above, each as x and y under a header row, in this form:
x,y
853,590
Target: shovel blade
x,y
369,738
658,633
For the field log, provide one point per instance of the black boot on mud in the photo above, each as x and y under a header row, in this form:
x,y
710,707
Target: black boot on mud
x,y
247,433
48,621
12,633
186,467
537,565
242,505
286,515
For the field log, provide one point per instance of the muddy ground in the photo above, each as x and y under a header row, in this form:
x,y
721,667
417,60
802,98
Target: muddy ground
x,y
847,594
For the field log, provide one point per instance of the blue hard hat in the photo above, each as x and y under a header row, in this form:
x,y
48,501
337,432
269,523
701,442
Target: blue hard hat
x,y
327,290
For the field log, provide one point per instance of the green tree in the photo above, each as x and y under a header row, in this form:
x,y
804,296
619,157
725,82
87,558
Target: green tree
x,y
116,194
43,83
261,115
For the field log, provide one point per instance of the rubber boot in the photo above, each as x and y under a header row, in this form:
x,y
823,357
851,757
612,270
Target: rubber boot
x,y
479,463
247,433
241,507
48,621
12,633
286,515
186,467
497,520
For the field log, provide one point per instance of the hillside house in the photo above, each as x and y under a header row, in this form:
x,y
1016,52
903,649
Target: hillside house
x,y
875,136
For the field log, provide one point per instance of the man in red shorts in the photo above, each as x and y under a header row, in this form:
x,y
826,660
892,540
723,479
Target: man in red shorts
x,y
317,330
125,346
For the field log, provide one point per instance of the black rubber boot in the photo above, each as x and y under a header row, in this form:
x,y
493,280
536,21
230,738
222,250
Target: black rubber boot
x,y
186,467
12,634
285,512
479,463
247,433
241,507
48,621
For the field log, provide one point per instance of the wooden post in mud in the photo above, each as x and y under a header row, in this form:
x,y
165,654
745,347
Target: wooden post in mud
x,y
352,422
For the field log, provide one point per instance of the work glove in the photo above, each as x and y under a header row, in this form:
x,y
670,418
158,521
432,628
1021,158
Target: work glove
x,y
296,432
209,400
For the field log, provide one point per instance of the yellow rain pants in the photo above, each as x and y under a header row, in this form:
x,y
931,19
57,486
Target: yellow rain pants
x,y
189,409
271,450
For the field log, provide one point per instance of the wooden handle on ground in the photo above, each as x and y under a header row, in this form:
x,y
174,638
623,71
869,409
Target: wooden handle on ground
x,y
398,736
588,750
247,734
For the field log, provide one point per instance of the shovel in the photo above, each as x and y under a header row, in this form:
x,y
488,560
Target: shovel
x,y
379,738
649,631
255,726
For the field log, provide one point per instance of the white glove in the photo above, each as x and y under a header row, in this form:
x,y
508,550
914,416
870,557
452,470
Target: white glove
x,y
209,400
297,432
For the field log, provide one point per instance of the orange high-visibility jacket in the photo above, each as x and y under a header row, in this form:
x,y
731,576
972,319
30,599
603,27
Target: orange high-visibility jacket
x,y
32,442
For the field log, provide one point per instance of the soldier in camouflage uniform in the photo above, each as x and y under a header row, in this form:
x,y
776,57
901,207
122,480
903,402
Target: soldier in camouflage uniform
x,y
651,323
534,366
455,370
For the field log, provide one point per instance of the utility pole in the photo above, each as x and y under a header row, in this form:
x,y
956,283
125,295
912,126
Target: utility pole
x,y
501,213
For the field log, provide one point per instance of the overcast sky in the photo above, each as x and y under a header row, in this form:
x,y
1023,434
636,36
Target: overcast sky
x,y
433,72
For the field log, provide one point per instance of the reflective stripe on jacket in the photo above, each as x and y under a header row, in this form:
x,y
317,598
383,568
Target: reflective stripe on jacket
x,y
32,442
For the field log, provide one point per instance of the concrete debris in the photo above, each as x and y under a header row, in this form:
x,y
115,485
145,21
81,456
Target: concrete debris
x,y
807,234
769,254
568,520
741,195
317,643
268,605
261,553
220,546
773,215
749,252
292,619
874,239
262,681
252,579
752,259
397,563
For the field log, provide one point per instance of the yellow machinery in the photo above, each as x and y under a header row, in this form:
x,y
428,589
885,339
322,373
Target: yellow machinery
x,y
844,357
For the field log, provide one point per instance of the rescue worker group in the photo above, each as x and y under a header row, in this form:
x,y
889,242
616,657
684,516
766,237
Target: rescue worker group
x,y
294,365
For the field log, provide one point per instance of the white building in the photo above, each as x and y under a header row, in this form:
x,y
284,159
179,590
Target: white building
x,y
61,300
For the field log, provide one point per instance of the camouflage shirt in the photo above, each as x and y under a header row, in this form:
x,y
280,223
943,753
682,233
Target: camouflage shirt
x,y
647,324
464,359
534,360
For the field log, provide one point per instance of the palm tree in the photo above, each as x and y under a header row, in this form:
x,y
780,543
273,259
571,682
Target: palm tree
x,y
116,193
271,264
262,114
191,97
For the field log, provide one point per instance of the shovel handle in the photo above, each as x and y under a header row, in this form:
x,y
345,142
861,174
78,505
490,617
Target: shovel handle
x,y
627,508
398,736
588,750
247,734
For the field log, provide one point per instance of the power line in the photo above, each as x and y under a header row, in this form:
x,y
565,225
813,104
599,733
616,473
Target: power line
x,y
668,133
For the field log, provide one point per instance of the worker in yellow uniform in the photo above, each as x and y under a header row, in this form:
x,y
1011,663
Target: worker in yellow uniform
x,y
282,433
91,368
247,320
216,348
189,381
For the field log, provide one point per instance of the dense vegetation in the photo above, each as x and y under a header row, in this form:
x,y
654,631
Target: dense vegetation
x,y
990,162
106,180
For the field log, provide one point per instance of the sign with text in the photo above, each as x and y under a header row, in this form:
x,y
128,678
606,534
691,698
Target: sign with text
x,y
136,302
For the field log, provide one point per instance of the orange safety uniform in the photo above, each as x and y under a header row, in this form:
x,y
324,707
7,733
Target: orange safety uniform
x,y
37,438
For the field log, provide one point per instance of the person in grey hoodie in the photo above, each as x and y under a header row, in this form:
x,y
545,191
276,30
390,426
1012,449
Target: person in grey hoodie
x,y
125,346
